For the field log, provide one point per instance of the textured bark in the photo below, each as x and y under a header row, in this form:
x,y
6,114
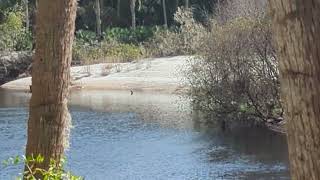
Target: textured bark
x,y
27,15
297,28
165,19
49,118
98,18
133,13
118,8
187,4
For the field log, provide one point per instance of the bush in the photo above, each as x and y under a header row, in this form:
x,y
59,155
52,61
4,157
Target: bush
x,y
105,51
236,75
129,36
185,39
14,36
55,172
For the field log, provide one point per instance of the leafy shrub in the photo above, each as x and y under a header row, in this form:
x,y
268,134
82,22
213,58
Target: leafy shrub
x,y
122,52
14,36
85,36
129,36
106,51
55,171
236,75
184,39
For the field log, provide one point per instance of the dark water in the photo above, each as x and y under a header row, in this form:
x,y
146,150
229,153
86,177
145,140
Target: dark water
x,y
147,136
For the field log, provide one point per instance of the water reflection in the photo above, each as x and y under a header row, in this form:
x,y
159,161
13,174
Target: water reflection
x,y
167,110
148,136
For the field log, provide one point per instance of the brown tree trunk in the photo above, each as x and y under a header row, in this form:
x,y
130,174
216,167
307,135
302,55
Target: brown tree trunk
x,y
49,118
165,13
133,13
297,28
98,18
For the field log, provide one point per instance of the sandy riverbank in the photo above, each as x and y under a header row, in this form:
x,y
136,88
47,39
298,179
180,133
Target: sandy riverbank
x,y
157,74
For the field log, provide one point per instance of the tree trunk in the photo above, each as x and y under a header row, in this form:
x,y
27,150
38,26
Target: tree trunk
x,y
133,13
297,28
187,4
98,18
49,118
102,13
118,8
218,7
176,5
27,15
165,13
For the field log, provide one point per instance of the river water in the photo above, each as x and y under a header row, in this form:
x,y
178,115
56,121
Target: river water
x,y
147,136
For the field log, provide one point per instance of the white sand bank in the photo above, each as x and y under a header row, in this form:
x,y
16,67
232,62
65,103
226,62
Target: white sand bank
x,y
157,74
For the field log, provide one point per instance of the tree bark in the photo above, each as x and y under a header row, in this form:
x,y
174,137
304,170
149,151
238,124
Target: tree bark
x,y
118,8
165,13
176,5
98,18
133,13
187,4
27,15
297,29
49,118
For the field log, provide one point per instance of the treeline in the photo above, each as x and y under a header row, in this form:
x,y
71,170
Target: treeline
x,y
97,15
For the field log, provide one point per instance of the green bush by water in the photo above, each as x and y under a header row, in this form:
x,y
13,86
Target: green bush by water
x,y
55,172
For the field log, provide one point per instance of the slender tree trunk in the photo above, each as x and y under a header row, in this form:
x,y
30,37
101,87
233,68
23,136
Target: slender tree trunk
x,y
98,18
49,118
165,13
176,5
118,8
219,7
133,13
101,13
297,28
27,15
187,4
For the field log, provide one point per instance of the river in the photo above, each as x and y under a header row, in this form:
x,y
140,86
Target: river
x,y
118,136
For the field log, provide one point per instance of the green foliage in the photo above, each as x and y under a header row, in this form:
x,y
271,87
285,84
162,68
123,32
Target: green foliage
x,y
85,36
184,39
105,51
13,34
55,171
126,35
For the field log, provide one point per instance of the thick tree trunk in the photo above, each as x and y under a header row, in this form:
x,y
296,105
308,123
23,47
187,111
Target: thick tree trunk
x,y
49,118
133,13
165,13
297,28
98,18
118,8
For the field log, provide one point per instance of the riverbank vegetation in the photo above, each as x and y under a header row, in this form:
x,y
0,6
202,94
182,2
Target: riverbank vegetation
x,y
233,74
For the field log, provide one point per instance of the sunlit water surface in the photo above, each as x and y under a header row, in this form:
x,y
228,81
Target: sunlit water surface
x,y
147,136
